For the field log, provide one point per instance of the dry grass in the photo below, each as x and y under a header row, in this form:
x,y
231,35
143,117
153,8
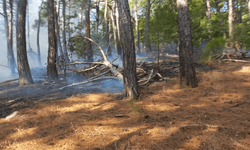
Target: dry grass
x,y
88,121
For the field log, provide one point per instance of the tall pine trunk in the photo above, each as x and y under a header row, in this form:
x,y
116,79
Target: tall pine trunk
x,y
57,28
87,20
11,57
131,88
147,38
23,65
38,35
230,18
187,69
117,43
69,32
208,12
28,25
107,26
97,15
117,21
6,26
63,32
137,27
248,5
51,62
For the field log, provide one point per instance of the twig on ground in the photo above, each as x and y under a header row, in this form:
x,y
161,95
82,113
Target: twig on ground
x,y
235,60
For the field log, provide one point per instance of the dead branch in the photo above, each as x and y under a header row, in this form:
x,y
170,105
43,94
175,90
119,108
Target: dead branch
x,y
2,15
4,66
150,76
236,60
11,80
199,125
105,60
76,63
87,81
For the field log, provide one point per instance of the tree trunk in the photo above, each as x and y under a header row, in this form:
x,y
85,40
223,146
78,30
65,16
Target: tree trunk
x,y
240,12
6,25
137,28
248,5
208,12
28,25
187,69
107,26
97,15
63,32
69,32
230,18
38,34
87,20
57,28
147,38
131,88
117,43
11,57
81,16
23,65
51,62
117,21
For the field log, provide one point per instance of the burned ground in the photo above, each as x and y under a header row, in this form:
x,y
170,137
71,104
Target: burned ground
x,y
215,115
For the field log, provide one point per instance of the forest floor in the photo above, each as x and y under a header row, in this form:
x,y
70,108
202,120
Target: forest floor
x,y
213,116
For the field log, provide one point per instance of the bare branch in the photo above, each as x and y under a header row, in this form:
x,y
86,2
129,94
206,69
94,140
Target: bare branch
x,y
2,15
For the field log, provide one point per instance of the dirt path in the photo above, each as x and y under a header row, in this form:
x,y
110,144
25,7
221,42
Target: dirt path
x,y
213,116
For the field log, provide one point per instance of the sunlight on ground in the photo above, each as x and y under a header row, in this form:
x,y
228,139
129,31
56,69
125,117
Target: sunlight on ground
x,y
90,121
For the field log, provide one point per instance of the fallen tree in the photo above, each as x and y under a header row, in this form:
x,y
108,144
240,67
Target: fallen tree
x,y
145,75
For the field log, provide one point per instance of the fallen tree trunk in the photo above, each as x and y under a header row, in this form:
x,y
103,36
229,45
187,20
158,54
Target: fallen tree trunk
x,y
103,62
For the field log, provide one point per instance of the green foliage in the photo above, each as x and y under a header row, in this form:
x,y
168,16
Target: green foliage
x,y
78,45
242,32
213,47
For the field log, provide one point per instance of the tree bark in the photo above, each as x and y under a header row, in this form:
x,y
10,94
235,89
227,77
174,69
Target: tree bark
x,y
51,62
208,12
240,12
131,88
137,28
147,38
57,28
87,20
230,18
97,15
107,26
81,16
187,69
248,5
6,25
28,26
117,21
113,18
69,32
11,57
63,32
23,65
38,34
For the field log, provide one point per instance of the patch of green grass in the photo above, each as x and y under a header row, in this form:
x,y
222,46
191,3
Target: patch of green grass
x,y
135,108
